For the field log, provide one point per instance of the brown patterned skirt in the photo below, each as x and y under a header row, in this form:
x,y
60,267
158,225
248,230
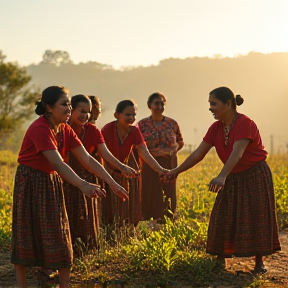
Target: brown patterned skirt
x,y
157,198
83,212
40,228
114,210
243,220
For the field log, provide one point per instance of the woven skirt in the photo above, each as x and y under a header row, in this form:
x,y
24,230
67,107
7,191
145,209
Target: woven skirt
x,y
83,212
114,210
40,228
243,221
158,199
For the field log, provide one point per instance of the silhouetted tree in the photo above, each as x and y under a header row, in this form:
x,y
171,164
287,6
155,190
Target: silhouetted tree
x,y
56,57
17,99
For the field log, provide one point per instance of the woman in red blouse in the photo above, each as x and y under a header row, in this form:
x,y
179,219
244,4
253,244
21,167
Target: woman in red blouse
x,y
121,137
40,227
243,221
164,139
83,212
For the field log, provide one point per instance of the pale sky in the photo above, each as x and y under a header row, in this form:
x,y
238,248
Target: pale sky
x,y
141,32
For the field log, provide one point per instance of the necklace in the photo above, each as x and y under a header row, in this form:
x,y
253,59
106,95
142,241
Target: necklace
x,y
58,135
121,139
228,129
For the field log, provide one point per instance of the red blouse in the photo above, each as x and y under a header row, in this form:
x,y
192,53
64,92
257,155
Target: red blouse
x,y
39,137
243,128
92,137
121,151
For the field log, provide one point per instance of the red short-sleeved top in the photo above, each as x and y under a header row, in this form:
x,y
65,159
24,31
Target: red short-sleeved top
x,y
121,151
39,137
243,128
92,137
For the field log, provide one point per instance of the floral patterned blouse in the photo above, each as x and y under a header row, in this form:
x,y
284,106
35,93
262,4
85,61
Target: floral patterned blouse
x,y
160,136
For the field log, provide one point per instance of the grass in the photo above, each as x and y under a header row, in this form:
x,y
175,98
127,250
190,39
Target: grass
x,y
155,254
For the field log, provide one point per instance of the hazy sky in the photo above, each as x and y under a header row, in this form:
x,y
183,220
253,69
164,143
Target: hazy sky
x,y
141,32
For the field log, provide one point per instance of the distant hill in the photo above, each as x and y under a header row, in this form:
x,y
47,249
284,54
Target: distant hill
x,y
261,79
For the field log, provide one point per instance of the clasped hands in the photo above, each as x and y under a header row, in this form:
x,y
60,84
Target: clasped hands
x,y
168,176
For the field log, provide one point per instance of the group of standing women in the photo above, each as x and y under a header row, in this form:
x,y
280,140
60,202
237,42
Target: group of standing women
x,y
60,188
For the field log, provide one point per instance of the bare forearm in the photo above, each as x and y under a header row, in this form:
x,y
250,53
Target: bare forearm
x,y
108,157
98,170
148,158
68,174
189,162
230,164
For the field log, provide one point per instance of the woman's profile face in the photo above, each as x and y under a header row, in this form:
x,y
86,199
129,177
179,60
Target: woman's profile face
x,y
157,105
95,112
218,108
61,110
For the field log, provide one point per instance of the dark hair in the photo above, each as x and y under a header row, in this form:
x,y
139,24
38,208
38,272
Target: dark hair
x,y
123,104
79,98
155,95
94,100
224,94
50,96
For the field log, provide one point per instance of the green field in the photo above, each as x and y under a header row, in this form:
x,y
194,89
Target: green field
x,y
170,252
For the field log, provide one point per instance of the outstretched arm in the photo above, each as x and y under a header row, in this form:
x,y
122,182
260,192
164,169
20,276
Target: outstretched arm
x,y
108,156
238,149
93,166
70,176
193,159
149,159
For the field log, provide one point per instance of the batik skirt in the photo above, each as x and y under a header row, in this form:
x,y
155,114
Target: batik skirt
x,y
40,227
243,220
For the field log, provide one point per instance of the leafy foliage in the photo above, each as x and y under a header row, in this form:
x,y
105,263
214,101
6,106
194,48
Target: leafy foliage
x,y
17,98
153,254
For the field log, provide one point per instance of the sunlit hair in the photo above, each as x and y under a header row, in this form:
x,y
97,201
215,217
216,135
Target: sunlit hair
x,y
79,98
94,100
50,96
123,104
155,95
224,94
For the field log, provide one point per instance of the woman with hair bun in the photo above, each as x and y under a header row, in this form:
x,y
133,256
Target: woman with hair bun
x,y
40,227
243,221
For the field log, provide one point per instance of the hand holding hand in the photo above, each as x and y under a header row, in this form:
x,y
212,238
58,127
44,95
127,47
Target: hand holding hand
x,y
92,190
216,184
169,177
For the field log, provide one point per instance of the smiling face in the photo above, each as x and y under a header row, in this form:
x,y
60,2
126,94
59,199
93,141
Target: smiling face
x,y
157,105
218,108
60,111
80,114
127,117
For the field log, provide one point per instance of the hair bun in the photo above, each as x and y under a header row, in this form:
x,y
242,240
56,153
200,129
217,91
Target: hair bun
x,y
39,110
239,100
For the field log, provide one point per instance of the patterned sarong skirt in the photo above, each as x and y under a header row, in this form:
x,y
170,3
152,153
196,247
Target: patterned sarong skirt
x,y
243,221
83,212
40,228
114,210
